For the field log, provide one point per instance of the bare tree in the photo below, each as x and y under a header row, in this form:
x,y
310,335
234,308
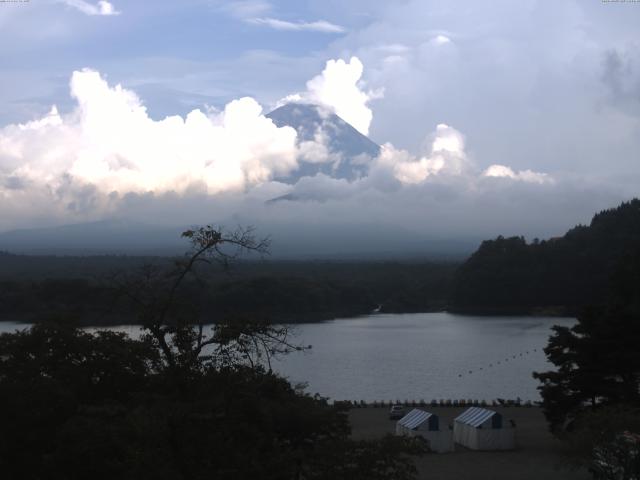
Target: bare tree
x,y
178,329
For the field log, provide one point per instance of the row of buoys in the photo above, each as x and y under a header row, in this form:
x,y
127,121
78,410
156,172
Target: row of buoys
x,y
499,362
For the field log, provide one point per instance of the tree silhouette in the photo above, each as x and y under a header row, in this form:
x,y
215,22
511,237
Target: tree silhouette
x,y
178,403
597,360
563,275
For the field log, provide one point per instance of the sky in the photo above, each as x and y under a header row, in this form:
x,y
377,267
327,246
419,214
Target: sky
x,y
494,117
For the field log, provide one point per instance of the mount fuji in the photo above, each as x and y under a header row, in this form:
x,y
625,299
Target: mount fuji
x,y
338,149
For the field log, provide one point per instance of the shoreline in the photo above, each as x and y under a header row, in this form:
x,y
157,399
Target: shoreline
x,y
545,311
441,403
116,320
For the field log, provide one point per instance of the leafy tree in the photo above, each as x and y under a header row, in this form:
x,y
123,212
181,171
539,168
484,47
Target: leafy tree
x,y
597,360
179,403
592,399
598,363
617,459
54,376
601,440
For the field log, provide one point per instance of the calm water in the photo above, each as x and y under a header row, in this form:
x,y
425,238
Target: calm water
x,y
420,356
417,356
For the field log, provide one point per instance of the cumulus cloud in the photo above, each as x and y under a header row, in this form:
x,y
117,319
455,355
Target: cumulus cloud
x,y
502,171
340,88
108,156
102,7
110,141
446,156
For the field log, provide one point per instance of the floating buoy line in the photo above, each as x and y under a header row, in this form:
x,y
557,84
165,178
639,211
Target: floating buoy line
x,y
499,362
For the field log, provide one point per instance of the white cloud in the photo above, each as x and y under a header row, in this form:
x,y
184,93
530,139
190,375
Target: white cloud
x,y
106,8
441,40
256,12
339,87
446,156
110,142
509,77
92,161
318,149
318,26
102,7
502,171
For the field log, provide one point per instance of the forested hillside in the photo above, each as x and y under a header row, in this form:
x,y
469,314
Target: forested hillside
x,y
33,288
560,275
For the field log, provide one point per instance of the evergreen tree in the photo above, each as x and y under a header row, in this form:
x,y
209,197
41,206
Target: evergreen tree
x,y
598,359
563,274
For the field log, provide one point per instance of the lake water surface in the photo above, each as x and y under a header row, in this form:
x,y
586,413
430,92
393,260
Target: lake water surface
x,y
416,356
423,356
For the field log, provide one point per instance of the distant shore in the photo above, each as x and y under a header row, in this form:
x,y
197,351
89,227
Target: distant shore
x,y
96,319
548,311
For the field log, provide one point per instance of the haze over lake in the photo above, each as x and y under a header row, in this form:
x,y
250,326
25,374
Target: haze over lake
x,y
416,356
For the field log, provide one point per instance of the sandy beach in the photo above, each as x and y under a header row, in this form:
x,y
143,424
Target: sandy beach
x,y
537,456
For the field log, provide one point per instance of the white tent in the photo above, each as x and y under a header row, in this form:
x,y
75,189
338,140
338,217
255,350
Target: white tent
x,y
482,429
426,425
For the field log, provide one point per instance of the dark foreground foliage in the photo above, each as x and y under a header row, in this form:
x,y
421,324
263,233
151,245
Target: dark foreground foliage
x,y
181,402
602,440
597,360
76,405
592,398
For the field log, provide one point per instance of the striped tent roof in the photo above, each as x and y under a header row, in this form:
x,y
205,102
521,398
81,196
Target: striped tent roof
x,y
475,416
414,418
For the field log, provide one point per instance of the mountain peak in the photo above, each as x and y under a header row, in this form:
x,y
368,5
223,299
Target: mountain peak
x,y
348,152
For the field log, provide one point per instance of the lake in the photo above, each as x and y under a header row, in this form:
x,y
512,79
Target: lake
x,y
422,356
416,356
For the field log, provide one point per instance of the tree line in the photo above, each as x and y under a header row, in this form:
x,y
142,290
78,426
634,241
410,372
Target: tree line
x,y
283,292
591,398
560,275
